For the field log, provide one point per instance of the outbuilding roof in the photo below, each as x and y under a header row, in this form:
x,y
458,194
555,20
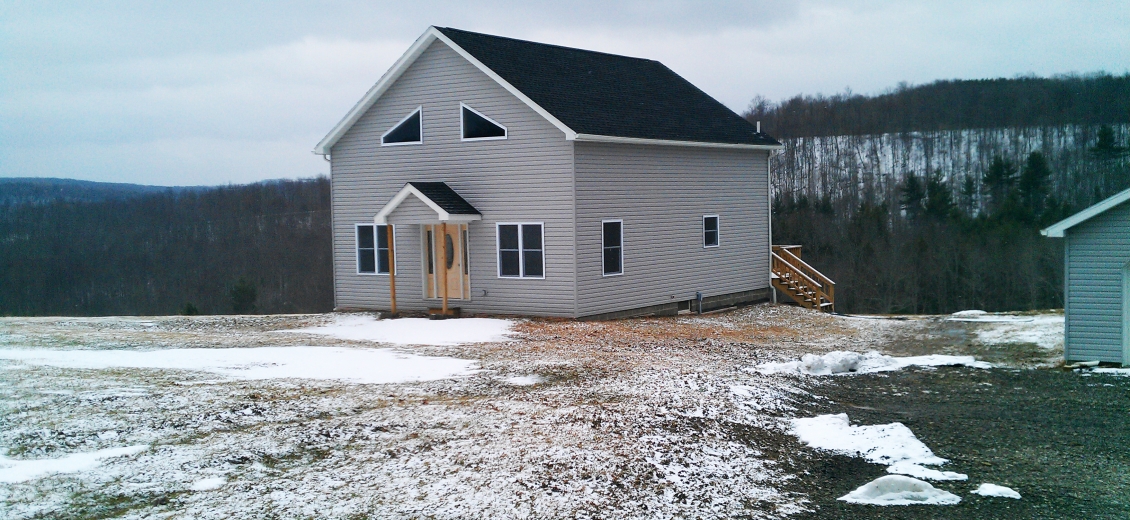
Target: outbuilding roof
x,y
590,96
1057,230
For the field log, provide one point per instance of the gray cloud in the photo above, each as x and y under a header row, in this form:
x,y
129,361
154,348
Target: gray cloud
x,y
216,92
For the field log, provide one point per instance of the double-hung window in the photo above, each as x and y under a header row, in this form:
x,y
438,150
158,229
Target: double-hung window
x,y
710,231
612,244
372,249
521,253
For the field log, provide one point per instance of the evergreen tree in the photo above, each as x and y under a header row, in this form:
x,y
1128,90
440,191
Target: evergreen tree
x,y
1033,185
939,199
243,296
999,180
969,195
1105,146
913,196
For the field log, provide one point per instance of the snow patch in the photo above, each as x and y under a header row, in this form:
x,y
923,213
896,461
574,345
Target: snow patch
x,y
414,331
919,471
15,470
1044,330
880,443
370,366
1111,371
993,490
523,380
897,490
208,484
842,362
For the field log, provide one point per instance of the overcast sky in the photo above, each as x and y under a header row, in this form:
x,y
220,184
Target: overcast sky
x,y
207,92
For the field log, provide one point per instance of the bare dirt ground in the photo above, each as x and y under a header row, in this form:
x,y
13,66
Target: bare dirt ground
x,y
640,418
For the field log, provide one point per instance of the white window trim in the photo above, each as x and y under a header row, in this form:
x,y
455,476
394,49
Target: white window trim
x,y
505,131
376,250
420,110
602,270
717,231
521,261
357,249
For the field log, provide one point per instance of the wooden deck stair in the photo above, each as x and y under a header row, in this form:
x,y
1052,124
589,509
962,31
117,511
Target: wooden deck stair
x,y
801,281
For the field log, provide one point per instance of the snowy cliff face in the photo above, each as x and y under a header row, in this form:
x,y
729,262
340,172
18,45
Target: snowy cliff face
x,y
870,167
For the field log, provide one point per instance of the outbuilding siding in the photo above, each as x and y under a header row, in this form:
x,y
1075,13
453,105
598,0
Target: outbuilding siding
x,y
527,177
1096,252
661,193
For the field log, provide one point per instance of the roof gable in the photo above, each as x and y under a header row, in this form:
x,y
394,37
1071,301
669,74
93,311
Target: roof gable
x,y
1058,229
438,196
608,97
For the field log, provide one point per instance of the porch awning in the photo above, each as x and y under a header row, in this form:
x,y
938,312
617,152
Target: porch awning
x,y
426,203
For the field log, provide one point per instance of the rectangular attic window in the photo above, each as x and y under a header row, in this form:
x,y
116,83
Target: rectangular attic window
x,y
478,127
408,131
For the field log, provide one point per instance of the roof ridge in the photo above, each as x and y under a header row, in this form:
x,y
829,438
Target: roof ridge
x,y
531,42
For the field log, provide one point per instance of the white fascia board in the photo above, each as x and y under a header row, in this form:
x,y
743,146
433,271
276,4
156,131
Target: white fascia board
x,y
409,190
569,133
386,81
1057,230
398,69
591,138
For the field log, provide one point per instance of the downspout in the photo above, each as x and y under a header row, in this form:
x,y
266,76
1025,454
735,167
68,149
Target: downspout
x,y
769,215
333,228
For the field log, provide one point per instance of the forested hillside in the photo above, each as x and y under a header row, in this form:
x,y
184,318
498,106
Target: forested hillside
x,y
923,199
930,198
257,248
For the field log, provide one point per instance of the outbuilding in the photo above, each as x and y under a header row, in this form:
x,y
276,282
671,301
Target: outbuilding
x,y
1097,281
504,176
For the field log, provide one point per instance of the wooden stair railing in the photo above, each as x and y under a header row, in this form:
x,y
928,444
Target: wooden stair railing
x,y
802,282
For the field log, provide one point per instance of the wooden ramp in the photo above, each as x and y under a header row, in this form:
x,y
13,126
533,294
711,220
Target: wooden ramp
x,y
801,281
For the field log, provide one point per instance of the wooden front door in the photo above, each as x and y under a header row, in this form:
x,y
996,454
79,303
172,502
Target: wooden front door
x,y
445,260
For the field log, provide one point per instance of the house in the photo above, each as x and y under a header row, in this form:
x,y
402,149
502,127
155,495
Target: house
x,y
503,176
1097,281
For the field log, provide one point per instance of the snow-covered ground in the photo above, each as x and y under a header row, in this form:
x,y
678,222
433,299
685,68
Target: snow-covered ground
x,y
333,416
414,331
1044,330
371,366
842,363
220,417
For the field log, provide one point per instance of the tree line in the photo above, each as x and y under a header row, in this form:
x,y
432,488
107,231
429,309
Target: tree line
x,y
929,248
263,248
1093,99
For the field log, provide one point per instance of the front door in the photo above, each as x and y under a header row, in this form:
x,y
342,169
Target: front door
x,y
445,251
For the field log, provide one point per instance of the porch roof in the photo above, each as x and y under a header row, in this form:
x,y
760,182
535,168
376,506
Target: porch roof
x,y
448,205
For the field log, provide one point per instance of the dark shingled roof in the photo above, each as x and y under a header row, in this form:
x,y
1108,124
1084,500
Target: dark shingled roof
x,y
605,94
442,194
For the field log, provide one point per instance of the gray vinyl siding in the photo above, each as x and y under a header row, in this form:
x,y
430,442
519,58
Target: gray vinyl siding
x,y
1097,250
412,211
661,193
525,178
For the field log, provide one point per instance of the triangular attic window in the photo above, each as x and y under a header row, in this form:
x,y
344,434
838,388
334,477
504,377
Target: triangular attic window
x,y
407,131
478,126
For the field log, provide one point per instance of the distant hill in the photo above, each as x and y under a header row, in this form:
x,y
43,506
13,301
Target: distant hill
x,y
87,248
894,195
36,190
1090,100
